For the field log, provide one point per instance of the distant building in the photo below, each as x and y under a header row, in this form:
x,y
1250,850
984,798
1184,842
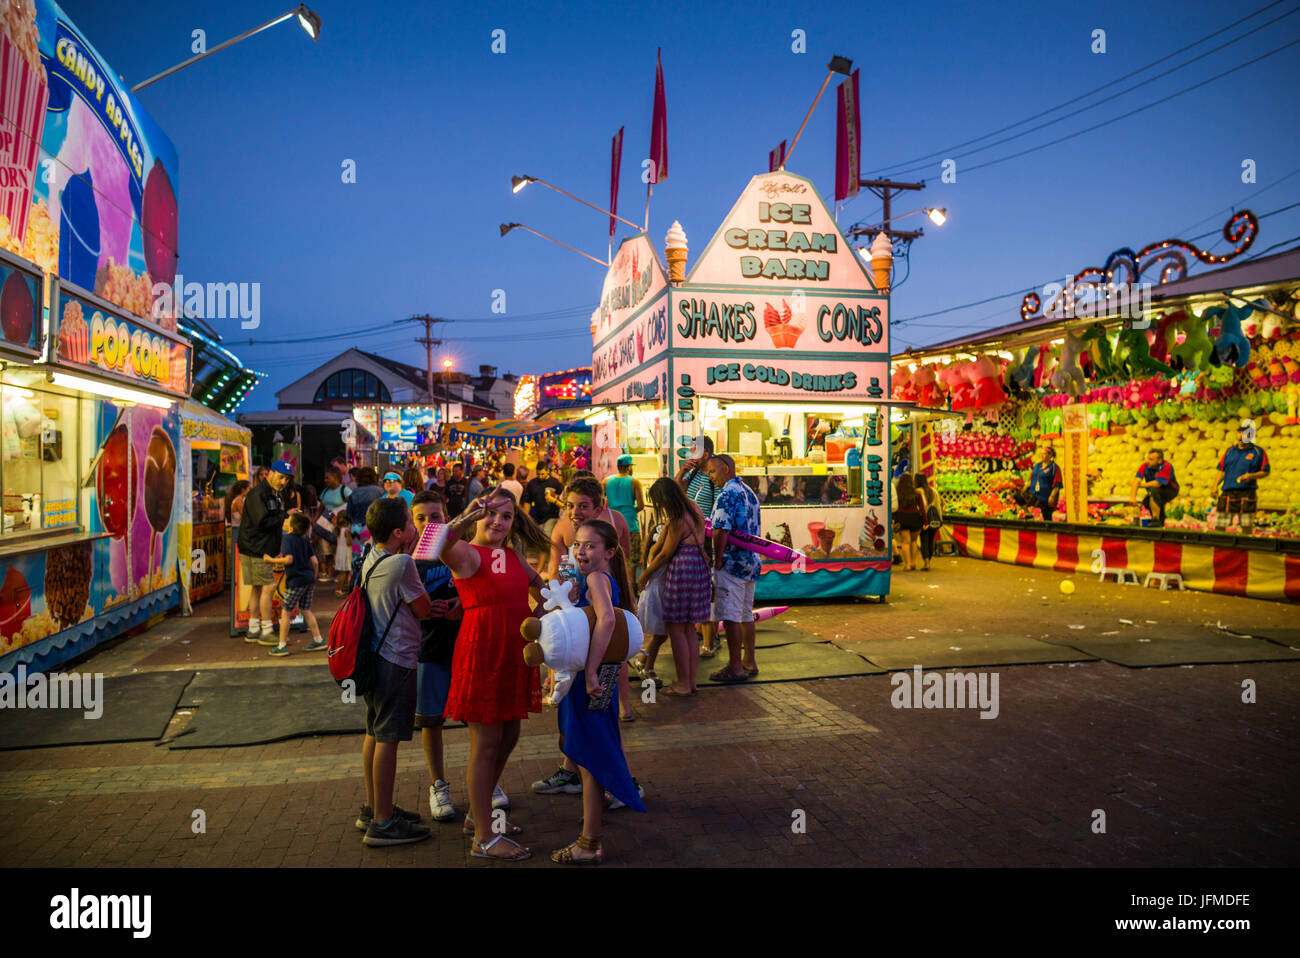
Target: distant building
x,y
313,408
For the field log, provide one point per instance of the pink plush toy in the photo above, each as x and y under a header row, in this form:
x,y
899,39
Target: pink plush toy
x,y
986,377
962,392
903,390
928,393
1166,337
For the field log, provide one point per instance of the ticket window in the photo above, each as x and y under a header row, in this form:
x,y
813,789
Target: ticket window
x,y
38,461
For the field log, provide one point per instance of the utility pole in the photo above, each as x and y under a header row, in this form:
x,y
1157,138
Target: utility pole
x,y
886,189
428,342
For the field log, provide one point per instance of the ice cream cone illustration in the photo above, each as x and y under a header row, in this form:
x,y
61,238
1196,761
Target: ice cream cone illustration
x,y
783,328
675,250
22,112
882,261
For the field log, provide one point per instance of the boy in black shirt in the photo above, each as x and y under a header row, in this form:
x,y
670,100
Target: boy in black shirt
x,y
437,645
299,564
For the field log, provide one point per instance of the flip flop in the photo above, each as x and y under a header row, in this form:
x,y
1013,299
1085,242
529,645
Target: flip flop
x,y
752,672
725,676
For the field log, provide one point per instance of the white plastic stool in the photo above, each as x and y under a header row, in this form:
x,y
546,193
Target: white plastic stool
x,y
1165,579
1124,576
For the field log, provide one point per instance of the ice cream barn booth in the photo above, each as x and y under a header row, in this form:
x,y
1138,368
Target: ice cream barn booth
x,y
776,347
91,377
1116,363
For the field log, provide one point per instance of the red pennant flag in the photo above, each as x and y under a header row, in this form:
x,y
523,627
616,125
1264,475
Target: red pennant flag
x,y
659,128
615,161
848,140
776,158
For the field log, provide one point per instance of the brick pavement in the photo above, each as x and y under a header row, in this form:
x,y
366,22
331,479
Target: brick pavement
x,y
1186,773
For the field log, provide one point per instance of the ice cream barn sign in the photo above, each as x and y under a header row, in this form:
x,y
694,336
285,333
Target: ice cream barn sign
x,y
774,347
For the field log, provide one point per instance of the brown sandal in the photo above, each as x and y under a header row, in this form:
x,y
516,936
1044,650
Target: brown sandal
x,y
565,855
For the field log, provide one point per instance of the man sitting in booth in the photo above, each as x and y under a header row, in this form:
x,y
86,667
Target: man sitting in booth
x,y
1240,468
1157,477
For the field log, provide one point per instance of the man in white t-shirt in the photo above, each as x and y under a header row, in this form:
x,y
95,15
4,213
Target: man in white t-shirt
x,y
509,481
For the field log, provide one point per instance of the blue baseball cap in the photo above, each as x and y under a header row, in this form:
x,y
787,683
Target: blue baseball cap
x,y
283,468
624,461
391,477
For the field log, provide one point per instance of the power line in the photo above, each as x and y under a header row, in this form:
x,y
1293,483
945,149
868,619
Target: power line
x,y
1083,96
1122,116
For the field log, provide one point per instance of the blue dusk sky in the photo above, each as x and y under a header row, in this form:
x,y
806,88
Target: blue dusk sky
x,y
437,123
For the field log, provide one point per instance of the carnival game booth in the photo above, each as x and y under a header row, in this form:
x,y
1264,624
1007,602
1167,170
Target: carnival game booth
x,y
1105,377
499,433
777,348
214,456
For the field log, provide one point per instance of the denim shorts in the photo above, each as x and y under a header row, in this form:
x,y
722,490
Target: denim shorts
x,y
390,704
433,683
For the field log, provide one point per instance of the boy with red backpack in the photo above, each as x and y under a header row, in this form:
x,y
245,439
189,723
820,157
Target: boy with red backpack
x,y
398,602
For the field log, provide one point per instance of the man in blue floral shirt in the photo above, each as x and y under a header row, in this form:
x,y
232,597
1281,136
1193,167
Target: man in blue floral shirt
x,y
735,569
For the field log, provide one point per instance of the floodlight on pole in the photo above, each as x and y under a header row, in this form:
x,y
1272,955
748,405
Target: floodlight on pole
x,y
309,20
507,227
838,64
517,183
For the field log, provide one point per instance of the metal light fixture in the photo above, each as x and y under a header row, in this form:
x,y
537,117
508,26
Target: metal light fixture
x,y
309,20
517,183
507,227
937,216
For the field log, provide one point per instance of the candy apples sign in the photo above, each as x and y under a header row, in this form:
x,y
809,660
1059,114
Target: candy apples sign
x,y
89,335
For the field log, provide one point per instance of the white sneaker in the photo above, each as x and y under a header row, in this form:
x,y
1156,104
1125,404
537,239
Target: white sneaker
x,y
440,807
499,798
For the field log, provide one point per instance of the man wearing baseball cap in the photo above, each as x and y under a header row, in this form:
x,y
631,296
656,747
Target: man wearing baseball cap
x,y
393,488
624,495
1240,467
260,527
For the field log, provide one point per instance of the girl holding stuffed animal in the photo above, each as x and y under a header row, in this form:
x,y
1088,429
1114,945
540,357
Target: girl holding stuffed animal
x,y
588,715
492,689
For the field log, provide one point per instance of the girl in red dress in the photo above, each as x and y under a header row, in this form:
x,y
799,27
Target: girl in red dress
x,y
491,688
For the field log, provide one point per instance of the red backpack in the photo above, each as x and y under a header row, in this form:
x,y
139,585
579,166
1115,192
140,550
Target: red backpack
x,y
353,645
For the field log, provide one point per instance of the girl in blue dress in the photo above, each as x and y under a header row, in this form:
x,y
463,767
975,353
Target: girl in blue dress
x,y
588,715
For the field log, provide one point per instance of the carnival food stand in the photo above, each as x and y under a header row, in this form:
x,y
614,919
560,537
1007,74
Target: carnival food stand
x,y
777,348
90,374
1105,376
214,456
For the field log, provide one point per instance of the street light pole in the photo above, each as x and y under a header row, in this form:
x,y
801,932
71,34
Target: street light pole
x,y
446,392
309,19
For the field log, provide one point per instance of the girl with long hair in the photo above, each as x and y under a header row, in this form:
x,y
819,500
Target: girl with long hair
x,y
687,583
909,520
588,715
234,504
492,690
929,500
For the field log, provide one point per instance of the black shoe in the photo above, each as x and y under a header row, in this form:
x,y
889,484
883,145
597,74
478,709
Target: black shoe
x,y
399,831
367,815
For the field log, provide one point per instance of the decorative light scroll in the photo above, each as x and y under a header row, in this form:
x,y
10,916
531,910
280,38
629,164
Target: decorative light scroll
x,y
1170,256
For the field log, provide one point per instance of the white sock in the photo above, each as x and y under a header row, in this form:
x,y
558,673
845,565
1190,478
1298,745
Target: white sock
x,y
254,626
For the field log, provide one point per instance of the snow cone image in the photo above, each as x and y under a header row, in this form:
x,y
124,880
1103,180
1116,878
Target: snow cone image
x,y
783,328
24,95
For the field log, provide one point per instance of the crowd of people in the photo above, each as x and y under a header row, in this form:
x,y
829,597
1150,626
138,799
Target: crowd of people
x,y
451,646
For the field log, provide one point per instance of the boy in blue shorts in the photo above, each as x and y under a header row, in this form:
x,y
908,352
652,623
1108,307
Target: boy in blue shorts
x,y
437,645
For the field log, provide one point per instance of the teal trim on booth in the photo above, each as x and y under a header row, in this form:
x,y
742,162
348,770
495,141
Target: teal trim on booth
x,y
821,583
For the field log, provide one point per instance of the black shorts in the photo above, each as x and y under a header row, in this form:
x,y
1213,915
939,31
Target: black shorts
x,y
1240,503
390,704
